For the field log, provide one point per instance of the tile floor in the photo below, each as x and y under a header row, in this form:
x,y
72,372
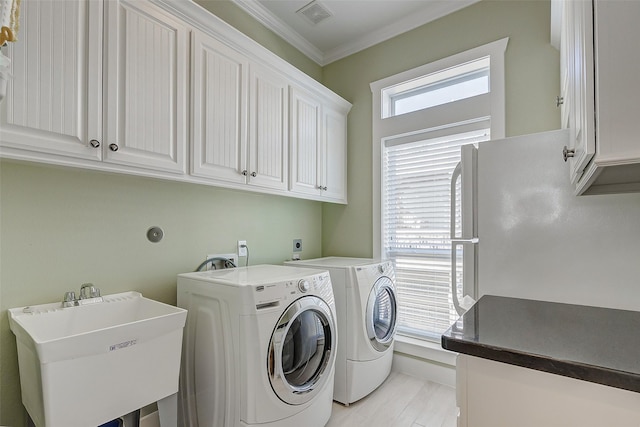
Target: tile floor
x,y
401,401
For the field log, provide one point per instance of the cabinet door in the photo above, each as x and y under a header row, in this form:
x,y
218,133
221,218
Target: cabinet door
x,y
334,156
219,96
268,129
146,87
54,99
582,105
306,126
566,64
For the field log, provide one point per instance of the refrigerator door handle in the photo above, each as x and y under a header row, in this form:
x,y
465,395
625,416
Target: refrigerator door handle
x,y
457,173
473,241
454,267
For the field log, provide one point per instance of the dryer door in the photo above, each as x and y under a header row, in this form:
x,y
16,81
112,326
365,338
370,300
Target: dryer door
x,y
381,315
302,350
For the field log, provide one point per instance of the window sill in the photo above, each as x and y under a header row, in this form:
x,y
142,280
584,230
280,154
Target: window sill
x,y
426,350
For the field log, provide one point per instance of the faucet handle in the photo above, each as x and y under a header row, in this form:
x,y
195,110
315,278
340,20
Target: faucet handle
x,y
69,299
95,292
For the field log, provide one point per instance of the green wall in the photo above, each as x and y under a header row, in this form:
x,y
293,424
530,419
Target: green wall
x,y
63,227
532,83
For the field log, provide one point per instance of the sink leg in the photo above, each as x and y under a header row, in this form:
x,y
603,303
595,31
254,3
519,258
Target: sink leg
x,y
168,411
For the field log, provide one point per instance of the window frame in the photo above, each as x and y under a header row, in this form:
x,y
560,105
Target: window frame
x,y
437,117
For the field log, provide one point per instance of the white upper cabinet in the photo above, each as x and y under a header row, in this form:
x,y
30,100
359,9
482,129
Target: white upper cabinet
x,y
54,98
318,147
578,85
334,179
306,155
76,63
268,129
239,113
219,113
145,87
599,68
163,88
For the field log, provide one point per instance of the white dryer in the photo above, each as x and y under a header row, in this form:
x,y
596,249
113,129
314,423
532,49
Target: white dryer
x,y
366,310
259,347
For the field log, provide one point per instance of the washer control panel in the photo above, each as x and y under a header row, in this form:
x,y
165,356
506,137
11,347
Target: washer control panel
x,y
271,294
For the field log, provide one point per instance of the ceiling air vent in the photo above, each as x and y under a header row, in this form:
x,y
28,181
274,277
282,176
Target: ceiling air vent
x,y
314,12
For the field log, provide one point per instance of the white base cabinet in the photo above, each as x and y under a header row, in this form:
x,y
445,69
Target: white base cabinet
x,y
493,394
163,88
599,88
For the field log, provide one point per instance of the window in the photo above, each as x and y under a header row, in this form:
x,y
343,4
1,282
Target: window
x,y
416,227
444,86
421,119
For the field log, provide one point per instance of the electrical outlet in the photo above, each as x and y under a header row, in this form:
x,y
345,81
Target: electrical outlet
x,y
242,249
219,264
297,245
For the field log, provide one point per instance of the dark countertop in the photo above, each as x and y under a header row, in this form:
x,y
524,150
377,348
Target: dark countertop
x,y
596,344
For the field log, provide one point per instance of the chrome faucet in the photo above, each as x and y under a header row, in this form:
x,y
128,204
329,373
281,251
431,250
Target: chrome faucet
x,y
89,294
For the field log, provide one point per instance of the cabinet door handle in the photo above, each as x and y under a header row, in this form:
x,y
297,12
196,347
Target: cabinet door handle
x,y
245,172
559,101
566,153
113,147
94,143
253,174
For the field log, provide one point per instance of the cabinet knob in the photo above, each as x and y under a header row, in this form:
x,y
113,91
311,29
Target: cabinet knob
x,y
253,174
94,143
559,101
245,172
566,153
113,147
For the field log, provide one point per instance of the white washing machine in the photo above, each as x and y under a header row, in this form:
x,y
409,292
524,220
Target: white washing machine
x,y
366,310
259,347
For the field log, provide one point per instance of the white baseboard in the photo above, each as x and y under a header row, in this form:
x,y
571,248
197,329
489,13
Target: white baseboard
x,y
424,369
151,420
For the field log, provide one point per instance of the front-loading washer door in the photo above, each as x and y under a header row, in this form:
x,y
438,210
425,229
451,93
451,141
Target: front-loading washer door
x,y
302,350
381,314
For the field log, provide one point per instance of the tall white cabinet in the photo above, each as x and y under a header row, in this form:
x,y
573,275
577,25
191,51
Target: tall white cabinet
x,y
163,88
599,67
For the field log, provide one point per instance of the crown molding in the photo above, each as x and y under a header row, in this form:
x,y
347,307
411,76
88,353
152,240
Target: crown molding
x,y
273,23
415,20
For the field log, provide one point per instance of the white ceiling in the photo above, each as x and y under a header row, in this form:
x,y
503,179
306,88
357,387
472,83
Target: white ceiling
x,y
354,26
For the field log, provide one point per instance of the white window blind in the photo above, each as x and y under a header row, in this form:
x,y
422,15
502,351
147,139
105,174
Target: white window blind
x,y
416,180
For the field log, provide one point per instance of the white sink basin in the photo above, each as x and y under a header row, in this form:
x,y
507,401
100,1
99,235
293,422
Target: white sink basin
x,y
86,365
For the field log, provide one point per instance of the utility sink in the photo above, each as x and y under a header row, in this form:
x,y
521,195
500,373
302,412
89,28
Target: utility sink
x,y
86,365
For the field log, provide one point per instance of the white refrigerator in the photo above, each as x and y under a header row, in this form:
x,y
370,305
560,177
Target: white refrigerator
x,y
525,234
